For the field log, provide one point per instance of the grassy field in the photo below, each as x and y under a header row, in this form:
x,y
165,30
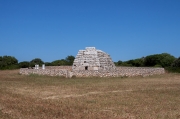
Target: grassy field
x,y
44,97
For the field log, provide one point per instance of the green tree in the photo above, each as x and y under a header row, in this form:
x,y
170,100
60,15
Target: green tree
x,y
119,63
1,62
61,62
70,60
48,64
24,64
134,62
8,62
175,66
166,60
152,60
36,61
176,63
163,60
138,62
129,63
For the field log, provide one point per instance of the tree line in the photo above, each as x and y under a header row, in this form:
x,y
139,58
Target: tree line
x,y
10,62
164,60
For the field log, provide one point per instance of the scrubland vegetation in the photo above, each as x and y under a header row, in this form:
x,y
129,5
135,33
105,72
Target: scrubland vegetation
x,y
165,60
45,97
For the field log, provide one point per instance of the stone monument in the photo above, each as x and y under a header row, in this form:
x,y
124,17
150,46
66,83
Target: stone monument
x,y
93,59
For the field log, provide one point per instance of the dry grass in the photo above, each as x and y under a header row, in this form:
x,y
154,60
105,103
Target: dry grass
x,y
44,97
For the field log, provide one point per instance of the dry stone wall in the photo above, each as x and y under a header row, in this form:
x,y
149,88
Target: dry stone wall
x,y
49,72
119,72
59,67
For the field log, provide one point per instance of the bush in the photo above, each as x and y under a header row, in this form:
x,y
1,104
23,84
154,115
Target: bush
x,y
24,64
8,62
173,69
36,61
176,63
164,60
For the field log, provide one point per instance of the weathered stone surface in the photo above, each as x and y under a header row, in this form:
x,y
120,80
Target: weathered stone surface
x,y
119,72
49,72
93,59
59,67
93,63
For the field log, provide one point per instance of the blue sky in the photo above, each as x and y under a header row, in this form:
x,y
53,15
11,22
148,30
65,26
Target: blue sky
x,y
54,29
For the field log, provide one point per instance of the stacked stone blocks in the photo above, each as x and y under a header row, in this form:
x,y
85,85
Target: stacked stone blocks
x,y
93,63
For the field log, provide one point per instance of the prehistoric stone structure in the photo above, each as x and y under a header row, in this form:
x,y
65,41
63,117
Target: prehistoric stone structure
x,y
92,63
93,59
